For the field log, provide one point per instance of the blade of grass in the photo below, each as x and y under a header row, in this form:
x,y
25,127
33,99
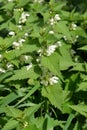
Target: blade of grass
x,y
69,120
29,94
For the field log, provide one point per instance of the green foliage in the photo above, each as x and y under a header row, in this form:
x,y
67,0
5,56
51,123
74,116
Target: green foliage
x,y
43,65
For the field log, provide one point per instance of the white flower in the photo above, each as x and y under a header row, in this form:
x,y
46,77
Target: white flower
x,y
52,21
39,1
23,17
59,43
16,44
2,70
53,80
57,17
26,35
12,33
73,26
51,32
10,0
44,82
0,56
20,27
25,124
29,66
19,43
21,40
65,38
9,66
40,52
51,49
26,57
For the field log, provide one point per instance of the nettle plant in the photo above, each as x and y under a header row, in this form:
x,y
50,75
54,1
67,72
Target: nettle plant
x,y
43,83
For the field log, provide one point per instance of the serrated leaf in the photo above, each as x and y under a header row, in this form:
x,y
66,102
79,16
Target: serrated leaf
x,y
23,73
23,50
81,32
22,3
82,109
52,65
54,94
13,112
65,59
79,67
32,127
11,124
29,112
82,86
62,28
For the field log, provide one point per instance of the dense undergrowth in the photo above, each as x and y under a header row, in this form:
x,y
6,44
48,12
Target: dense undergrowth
x,y
43,65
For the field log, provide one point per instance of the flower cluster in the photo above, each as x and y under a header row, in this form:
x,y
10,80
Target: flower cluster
x,y
50,81
52,48
2,70
18,44
55,19
11,33
73,26
29,66
39,1
53,80
9,66
10,0
23,17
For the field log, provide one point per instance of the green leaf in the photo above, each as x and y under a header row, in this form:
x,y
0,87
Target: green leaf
x,y
11,124
5,75
80,67
52,65
81,32
82,86
23,50
29,112
82,109
32,127
54,94
22,3
62,28
13,112
8,99
23,73
65,59
8,6
84,48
